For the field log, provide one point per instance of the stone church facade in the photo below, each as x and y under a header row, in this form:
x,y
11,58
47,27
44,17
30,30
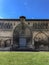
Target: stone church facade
x,y
24,34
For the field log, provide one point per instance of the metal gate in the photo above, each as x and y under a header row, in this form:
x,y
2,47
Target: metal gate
x,y
22,42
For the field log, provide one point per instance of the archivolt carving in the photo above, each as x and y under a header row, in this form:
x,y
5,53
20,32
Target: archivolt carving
x,y
22,30
41,36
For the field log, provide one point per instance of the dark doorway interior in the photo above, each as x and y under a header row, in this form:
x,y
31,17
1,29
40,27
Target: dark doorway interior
x,y
41,45
22,42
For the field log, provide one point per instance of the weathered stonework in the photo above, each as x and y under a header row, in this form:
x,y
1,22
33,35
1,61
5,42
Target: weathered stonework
x,y
24,34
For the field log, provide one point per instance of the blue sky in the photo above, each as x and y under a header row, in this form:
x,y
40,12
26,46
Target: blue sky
x,y
35,9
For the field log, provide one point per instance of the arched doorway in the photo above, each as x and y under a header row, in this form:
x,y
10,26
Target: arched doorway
x,y
22,36
41,42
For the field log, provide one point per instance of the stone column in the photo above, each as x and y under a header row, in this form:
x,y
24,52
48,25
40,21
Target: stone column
x,y
2,43
48,43
8,42
32,40
33,43
12,38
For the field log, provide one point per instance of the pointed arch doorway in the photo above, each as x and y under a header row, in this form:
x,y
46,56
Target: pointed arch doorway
x,y
22,36
41,42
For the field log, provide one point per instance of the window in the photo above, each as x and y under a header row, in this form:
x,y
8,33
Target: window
x,y
40,25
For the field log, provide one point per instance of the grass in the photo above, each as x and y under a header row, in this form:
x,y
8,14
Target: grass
x,y
24,58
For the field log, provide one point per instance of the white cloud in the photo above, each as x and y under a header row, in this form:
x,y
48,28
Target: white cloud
x,y
1,17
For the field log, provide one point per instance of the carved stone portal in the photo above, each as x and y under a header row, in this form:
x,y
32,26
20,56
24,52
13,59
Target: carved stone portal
x,y
22,36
